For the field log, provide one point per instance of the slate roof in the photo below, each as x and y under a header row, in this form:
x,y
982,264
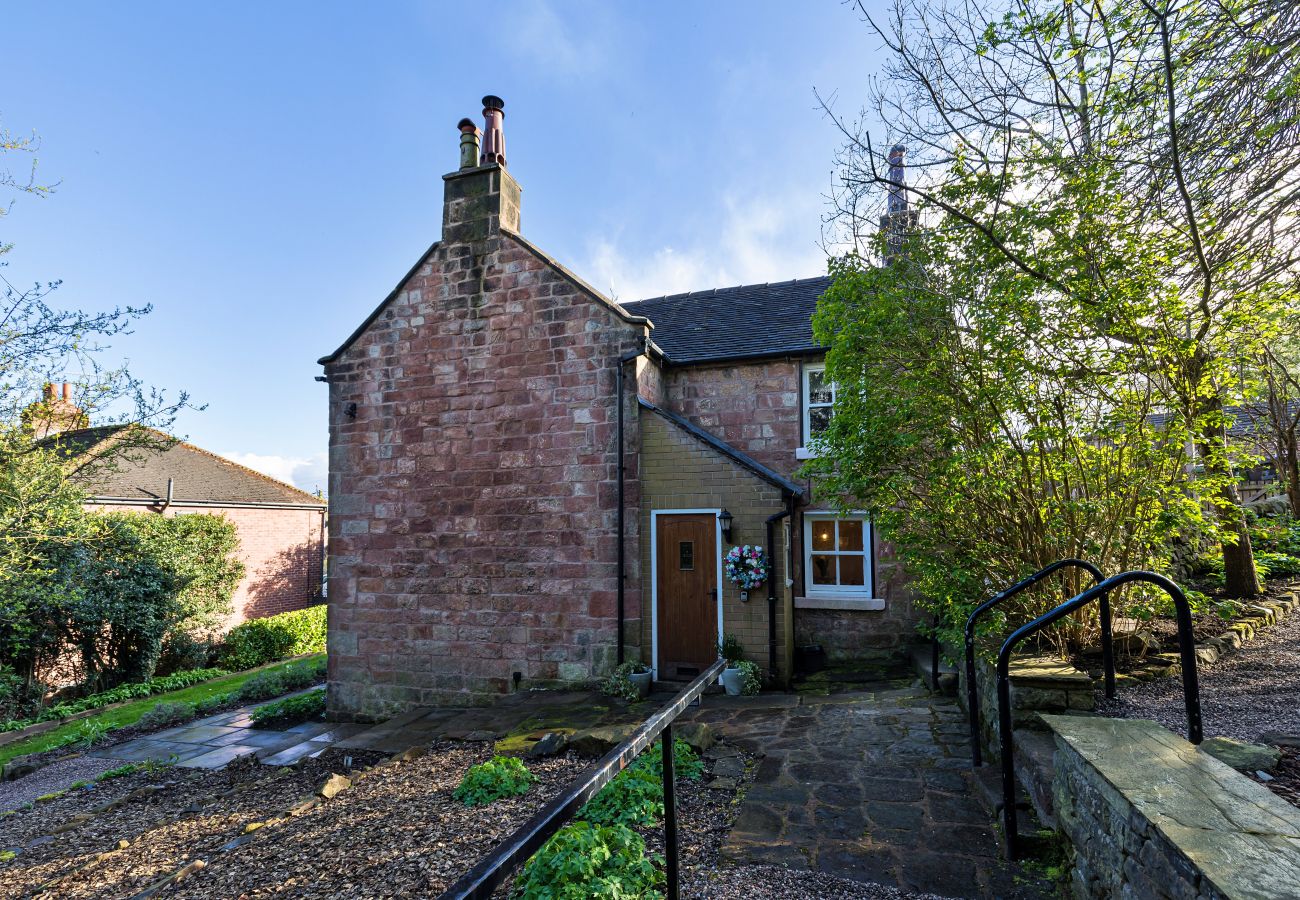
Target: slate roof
x,y
749,321
141,474
716,443
1246,420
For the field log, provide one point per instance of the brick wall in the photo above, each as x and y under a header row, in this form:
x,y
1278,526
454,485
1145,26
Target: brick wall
x,y
679,472
280,549
473,495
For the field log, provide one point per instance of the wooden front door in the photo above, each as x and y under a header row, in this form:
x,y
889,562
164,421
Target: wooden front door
x,y
687,591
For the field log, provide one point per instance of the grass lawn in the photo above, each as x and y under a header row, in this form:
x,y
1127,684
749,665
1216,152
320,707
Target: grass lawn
x,y
130,713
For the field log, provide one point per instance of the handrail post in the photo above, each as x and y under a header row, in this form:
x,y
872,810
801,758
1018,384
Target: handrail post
x,y
972,695
1107,645
1006,743
670,813
934,656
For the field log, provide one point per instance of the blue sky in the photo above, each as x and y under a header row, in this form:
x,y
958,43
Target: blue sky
x,y
264,173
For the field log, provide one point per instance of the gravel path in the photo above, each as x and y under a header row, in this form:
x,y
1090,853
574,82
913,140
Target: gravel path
x,y
1243,695
775,883
54,777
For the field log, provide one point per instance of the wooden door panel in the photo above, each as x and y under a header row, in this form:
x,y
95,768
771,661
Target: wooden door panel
x,y
687,583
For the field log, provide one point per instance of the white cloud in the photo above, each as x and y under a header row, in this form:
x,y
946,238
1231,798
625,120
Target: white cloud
x,y
573,44
761,239
307,473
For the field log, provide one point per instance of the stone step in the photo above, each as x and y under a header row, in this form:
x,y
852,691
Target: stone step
x,y
923,665
1035,808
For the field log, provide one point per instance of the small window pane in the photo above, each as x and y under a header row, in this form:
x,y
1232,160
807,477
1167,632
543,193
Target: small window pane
x,y
823,569
851,571
823,534
818,418
686,555
850,534
818,390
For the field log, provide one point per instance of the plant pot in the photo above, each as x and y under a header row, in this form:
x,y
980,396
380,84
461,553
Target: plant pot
x,y
642,682
732,681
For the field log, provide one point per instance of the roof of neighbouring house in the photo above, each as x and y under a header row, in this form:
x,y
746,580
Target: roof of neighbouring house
x,y
748,321
140,473
1246,420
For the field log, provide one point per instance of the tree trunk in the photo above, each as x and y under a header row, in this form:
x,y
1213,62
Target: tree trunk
x,y
1290,471
1239,576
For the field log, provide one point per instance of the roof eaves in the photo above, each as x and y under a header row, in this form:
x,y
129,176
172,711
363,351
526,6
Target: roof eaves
x,y
747,357
721,446
374,314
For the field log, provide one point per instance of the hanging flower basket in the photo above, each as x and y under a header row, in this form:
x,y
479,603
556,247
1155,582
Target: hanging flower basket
x,y
746,566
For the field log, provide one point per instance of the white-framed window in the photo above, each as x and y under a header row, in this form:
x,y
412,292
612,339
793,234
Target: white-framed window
x,y
837,557
818,406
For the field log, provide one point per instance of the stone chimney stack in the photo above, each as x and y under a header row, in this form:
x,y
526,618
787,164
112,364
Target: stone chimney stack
x,y
54,412
480,199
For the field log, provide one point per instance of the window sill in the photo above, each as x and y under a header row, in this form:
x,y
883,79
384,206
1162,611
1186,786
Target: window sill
x,y
805,453
847,601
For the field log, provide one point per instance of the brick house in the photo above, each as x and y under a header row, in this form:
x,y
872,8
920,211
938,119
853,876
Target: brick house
x,y
281,529
530,481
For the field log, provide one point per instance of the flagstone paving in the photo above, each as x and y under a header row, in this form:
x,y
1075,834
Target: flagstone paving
x,y
869,786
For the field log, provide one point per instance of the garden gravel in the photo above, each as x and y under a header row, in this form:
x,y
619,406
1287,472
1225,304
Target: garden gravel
x,y
52,778
1243,695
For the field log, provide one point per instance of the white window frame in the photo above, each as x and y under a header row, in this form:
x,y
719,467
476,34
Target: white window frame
x,y
838,597
809,450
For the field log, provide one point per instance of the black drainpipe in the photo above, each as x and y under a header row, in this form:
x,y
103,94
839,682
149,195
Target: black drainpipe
x,y
771,585
618,381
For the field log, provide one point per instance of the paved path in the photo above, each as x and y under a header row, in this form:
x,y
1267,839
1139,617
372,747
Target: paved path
x,y
212,742
870,786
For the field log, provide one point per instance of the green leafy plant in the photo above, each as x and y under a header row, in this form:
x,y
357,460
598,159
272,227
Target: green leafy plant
x,y
136,691
269,685
751,677
1277,565
308,707
261,641
167,713
501,776
634,798
686,762
149,765
730,649
618,683
211,705
86,734
582,861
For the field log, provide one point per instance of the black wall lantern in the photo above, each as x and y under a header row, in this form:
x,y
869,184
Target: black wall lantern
x,y
724,519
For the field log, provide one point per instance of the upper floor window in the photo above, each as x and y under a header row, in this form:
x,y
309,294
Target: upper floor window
x,y
818,402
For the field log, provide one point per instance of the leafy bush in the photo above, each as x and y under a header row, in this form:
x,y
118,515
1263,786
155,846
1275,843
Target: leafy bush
x,y
582,861
618,684
120,694
183,651
1277,565
85,735
262,641
501,776
271,684
686,762
167,712
730,648
211,705
290,711
17,698
634,798
751,677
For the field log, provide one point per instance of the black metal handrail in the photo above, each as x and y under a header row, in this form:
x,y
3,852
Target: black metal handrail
x,y
494,868
972,693
1186,647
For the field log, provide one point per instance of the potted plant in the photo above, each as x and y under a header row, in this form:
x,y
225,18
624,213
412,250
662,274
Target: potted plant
x,y
631,681
729,648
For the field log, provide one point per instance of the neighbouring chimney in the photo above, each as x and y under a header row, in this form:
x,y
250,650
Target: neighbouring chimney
x,y
494,138
54,412
898,219
481,197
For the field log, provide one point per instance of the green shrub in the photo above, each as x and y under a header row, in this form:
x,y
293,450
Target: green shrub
x,y
183,651
271,684
730,648
85,735
501,776
212,705
262,641
1277,565
686,762
634,798
582,861
18,699
165,713
290,711
751,677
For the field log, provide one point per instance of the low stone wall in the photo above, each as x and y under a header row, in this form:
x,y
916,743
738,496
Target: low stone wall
x,y
1151,816
1038,685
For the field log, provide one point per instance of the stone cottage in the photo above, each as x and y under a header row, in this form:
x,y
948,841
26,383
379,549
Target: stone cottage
x,y
530,482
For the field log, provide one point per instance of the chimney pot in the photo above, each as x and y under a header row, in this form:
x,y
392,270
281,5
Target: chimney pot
x,y
67,391
494,138
468,144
